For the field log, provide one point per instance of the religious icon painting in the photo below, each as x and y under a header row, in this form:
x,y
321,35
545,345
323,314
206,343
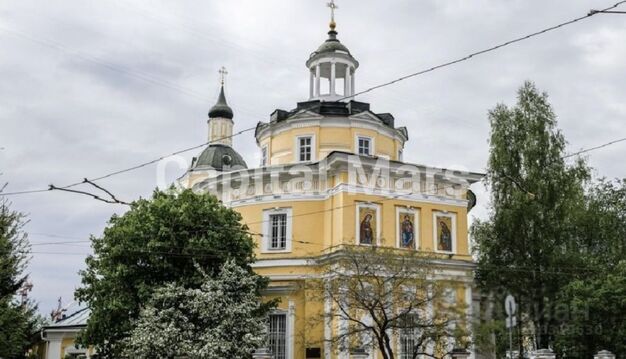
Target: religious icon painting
x,y
367,224
407,222
444,227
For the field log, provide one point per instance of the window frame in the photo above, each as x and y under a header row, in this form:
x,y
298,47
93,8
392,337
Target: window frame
x,y
285,340
297,148
402,333
265,156
357,147
267,230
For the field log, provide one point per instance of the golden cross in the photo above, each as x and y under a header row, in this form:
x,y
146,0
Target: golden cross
x,y
332,7
223,74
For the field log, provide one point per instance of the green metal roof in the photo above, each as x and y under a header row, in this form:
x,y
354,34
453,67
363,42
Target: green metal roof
x,y
220,157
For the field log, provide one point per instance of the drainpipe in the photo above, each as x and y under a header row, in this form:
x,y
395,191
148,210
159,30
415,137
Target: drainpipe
x,y
47,341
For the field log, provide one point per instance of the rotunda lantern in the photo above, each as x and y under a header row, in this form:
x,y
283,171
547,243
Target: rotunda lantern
x,y
332,68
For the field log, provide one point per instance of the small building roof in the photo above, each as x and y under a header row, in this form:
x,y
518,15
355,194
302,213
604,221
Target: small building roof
x,y
78,318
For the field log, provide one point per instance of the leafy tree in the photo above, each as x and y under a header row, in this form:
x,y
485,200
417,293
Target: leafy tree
x,y
159,241
221,319
525,246
17,320
14,250
596,316
378,293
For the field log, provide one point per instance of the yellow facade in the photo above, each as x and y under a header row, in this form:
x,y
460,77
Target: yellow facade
x,y
323,218
326,140
332,176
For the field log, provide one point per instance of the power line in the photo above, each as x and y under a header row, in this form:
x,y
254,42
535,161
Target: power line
x,y
399,79
559,270
128,169
595,148
484,51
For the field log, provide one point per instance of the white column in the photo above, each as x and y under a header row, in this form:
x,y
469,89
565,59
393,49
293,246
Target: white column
x,y
317,80
311,83
346,80
328,329
470,315
291,320
54,348
430,313
332,78
352,91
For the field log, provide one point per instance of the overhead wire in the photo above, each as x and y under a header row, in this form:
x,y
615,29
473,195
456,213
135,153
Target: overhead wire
x,y
388,83
595,148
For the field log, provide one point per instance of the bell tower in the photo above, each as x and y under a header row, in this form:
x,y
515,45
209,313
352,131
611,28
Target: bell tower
x,y
331,67
221,117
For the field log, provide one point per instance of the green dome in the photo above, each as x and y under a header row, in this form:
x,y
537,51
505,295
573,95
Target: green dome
x,y
331,44
219,157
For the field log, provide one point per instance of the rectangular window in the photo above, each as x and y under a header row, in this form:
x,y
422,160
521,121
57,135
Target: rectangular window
x,y
305,148
264,156
365,146
278,335
278,231
408,333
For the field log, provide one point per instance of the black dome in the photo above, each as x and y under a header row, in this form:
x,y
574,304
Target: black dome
x,y
219,157
221,108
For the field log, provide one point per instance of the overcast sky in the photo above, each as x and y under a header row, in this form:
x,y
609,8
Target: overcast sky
x,y
88,87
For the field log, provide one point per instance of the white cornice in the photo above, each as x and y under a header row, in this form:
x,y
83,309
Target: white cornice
x,y
350,189
363,120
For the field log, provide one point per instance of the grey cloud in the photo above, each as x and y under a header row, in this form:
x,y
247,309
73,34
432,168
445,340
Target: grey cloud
x,y
64,117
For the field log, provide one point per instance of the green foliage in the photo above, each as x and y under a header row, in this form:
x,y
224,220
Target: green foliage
x,y
596,301
221,319
13,250
158,241
17,321
523,248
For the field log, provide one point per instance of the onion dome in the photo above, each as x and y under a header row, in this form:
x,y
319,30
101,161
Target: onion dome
x,y
219,157
221,108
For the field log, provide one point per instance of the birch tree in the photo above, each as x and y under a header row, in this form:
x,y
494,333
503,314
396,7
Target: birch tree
x,y
384,300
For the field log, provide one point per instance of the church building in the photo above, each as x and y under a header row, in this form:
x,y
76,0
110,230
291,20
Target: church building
x,y
332,175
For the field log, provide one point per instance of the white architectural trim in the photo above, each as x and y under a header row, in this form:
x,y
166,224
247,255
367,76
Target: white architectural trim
x,y
470,319
265,241
416,226
357,233
343,188
291,319
358,121
452,216
265,155
267,263
328,328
